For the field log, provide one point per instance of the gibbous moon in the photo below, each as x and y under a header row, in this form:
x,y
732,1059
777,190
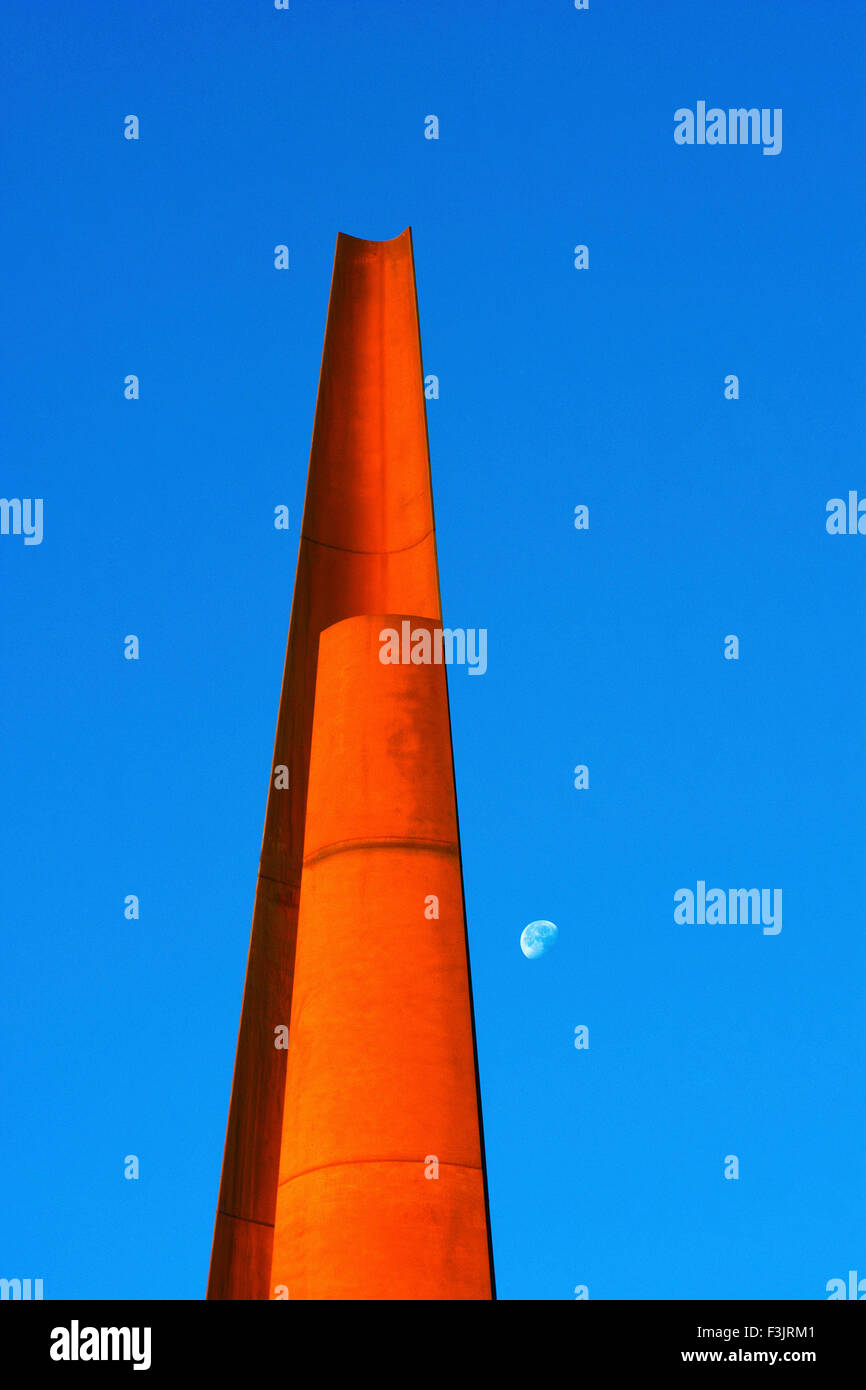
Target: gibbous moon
x,y
537,939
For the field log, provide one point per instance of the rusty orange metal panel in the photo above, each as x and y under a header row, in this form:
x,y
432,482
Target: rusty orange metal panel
x,y
381,1189
367,545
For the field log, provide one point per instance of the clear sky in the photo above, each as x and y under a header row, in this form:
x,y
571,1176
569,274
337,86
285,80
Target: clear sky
x,y
558,387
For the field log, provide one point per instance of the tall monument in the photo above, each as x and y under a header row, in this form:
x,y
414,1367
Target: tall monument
x,y
354,1160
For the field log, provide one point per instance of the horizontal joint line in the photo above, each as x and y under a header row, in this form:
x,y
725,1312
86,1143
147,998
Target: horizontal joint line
x,y
349,550
356,1163
381,842
252,1220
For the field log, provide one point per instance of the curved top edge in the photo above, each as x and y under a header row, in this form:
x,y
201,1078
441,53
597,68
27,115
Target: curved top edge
x,y
363,242
370,620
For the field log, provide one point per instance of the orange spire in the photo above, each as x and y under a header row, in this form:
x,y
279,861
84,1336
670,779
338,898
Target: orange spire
x,y
367,547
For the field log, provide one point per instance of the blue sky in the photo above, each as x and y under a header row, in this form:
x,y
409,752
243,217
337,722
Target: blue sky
x,y
558,387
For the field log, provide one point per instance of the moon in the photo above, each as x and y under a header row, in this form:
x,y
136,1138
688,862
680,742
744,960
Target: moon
x,y
537,939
